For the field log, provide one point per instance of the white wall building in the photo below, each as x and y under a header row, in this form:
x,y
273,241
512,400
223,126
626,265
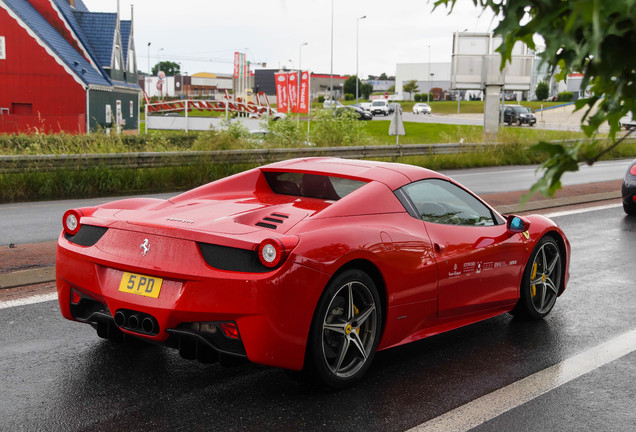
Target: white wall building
x,y
427,75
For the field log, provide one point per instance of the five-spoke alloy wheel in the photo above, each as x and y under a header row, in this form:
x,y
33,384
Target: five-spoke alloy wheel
x,y
346,329
541,280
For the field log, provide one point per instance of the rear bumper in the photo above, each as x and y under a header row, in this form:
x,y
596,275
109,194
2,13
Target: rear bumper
x,y
272,311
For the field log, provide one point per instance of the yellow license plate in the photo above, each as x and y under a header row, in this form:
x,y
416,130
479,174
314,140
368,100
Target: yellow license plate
x,y
147,286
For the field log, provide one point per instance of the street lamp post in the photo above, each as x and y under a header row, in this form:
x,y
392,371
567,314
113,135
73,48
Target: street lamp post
x,y
147,87
331,70
357,33
428,94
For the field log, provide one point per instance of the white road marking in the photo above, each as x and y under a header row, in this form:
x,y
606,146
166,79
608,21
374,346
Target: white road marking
x,y
500,401
40,298
581,210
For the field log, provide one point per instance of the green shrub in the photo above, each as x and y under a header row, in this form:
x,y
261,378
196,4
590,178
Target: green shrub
x,y
321,99
542,91
565,96
417,97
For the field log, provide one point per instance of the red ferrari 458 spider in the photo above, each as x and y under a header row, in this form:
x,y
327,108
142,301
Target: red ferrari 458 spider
x,y
308,265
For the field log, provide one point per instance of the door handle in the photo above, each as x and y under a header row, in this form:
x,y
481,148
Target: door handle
x,y
439,248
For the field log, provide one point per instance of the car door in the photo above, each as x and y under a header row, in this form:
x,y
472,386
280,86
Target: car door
x,y
479,262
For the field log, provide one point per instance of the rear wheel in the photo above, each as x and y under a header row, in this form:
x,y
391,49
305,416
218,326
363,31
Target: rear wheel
x,y
630,209
346,330
541,280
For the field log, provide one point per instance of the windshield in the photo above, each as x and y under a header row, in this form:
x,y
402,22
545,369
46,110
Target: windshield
x,y
376,103
522,109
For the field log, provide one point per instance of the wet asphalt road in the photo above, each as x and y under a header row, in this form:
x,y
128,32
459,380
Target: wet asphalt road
x,y
58,375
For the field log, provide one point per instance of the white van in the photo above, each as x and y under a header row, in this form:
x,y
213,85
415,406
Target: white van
x,y
380,106
627,121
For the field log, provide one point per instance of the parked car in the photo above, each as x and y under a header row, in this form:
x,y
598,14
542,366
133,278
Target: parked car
x,y
395,106
330,103
421,108
629,190
362,114
518,115
628,121
310,265
380,106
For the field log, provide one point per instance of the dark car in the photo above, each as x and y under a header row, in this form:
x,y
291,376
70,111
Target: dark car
x,y
395,106
629,190
362,114
518,114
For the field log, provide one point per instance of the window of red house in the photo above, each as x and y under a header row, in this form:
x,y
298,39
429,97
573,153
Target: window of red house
x,y
21,108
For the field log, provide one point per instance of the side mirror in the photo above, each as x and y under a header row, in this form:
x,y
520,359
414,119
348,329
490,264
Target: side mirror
x,y
516,224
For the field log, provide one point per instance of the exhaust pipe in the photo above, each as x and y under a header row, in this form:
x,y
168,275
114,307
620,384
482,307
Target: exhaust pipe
x,y
133,322
120,319
148,325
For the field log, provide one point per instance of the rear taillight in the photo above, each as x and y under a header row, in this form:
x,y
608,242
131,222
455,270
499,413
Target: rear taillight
x,y
632,170
271,252
71,221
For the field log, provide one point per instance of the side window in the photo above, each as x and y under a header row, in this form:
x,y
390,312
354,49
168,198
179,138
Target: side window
x,y
441,202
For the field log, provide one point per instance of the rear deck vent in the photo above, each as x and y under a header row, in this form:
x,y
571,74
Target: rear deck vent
x,y
272,221
266,225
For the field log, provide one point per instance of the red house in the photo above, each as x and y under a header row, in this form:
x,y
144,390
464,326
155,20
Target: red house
x,y
65,69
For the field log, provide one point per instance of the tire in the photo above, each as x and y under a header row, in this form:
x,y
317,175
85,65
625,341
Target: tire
x,y
541,281
629,209
519,122
345,331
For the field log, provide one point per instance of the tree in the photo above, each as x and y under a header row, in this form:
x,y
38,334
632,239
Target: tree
x,y
366,90
350,85
410,87
383,77
168,67
589,37
542,91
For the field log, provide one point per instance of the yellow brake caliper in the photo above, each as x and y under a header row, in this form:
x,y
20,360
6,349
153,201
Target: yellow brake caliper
x,y
356,311
533,288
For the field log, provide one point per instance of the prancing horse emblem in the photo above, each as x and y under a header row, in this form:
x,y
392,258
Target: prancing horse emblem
x,y
145,246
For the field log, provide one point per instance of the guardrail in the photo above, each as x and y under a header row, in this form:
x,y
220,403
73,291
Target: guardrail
x,y
26,163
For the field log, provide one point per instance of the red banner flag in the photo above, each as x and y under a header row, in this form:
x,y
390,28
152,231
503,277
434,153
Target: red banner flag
x,y
237,61
282,101
303,96
292,84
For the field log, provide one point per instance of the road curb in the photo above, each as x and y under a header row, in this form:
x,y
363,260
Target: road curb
x,y
557,202
27,277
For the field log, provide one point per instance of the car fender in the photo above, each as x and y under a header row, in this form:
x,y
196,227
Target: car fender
x,y
540,226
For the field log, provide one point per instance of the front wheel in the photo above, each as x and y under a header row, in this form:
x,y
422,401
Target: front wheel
x,y
345,331
541,281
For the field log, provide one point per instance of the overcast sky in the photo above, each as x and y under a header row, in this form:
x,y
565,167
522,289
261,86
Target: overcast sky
x,y
202,35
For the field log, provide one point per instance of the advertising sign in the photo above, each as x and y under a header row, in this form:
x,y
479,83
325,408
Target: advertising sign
x,y
303,97
236,64
292,89
282,95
